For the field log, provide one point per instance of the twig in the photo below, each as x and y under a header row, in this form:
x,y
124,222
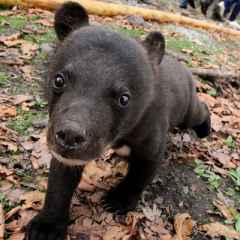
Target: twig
x,y
1,222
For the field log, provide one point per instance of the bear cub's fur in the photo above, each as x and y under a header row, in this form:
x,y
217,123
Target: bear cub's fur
x,y
105,90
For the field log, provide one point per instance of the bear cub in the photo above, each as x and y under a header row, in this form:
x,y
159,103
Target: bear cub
x,y
105,90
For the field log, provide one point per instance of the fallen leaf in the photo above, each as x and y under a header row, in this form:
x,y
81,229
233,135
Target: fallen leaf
x,y
224,158
183,225
225,210
211,101
40,153
11,40
33,200
45,22
116,233
12,212
10,146
7,111
19,99
28,49
217,229
27,72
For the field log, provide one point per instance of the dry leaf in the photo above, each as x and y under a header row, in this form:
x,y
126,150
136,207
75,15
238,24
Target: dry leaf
x,y
40,153
19,99
10,146
217,229
27,72
4,172
33,200
45,22
12,212
7,111
211,101
11,40
116,233
224,210
224,158
28,49
183,225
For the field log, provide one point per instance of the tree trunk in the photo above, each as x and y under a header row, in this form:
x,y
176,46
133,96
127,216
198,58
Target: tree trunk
x,y
110,9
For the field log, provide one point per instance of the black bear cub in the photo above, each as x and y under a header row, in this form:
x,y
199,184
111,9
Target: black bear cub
x,y
105,90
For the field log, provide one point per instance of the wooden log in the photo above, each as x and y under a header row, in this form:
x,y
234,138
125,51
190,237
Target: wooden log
x,y
110,9
214,74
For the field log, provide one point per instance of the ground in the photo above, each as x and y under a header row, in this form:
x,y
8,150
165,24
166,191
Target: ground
x,y
196,194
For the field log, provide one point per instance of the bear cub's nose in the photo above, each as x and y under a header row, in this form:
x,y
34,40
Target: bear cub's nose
x,y
69,139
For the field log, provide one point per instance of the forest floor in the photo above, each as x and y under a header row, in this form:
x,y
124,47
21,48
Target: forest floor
x,y
197,192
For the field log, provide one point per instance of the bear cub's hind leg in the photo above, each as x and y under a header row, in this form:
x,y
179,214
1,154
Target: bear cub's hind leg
x,y
204,128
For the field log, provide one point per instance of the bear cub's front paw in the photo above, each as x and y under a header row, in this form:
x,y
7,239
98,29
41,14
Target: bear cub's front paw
x,y
43,228
120,201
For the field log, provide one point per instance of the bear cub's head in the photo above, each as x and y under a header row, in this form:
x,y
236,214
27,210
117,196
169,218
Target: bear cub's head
x,y
99,87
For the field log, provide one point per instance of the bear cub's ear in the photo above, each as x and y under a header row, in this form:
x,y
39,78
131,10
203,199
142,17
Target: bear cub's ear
x,y
155,46
69,17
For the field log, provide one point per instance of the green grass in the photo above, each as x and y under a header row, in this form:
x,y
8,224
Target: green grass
x,y
24,120
48,37
181,43
230,142
234,174
203,171
128,32
4,79
17,22
7,205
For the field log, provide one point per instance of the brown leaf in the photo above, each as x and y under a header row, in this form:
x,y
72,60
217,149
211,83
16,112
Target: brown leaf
x,y
28,49
27,72
7,111
11,40
45,22
4,172
33,200
217,229
224,210
217,123
12,212
10,146
183,225
224,158
116,233
211,101
40,154
19,99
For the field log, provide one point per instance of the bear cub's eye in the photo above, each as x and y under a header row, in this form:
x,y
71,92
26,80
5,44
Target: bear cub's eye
x,y
124,100
59,82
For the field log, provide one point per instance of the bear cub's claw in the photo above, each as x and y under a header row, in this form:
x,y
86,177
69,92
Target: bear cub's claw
x,y
41,228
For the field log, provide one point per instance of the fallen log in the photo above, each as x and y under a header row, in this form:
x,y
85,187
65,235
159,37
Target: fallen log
x,y
110,9
215,74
